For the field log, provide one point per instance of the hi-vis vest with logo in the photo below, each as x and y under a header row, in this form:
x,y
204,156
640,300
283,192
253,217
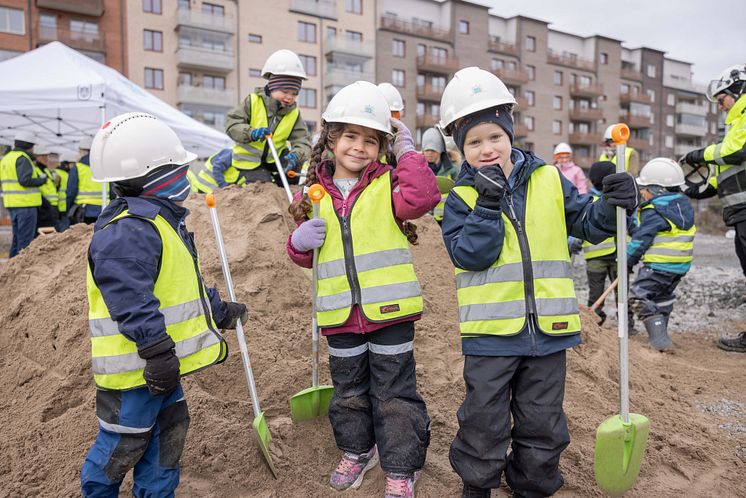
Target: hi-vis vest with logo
x,y
250,157
627,154
62,192
206,183
49,189
185,308
674,246
608,246
16,195
89,190
532,275
365,260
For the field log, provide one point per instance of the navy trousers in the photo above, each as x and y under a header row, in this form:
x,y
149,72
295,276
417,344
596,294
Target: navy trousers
x,y
652,293
23,222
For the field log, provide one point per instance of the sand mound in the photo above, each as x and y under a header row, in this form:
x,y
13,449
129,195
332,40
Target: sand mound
x,y
47,395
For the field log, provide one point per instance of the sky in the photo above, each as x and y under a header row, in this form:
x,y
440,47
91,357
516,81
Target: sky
x,y
712,36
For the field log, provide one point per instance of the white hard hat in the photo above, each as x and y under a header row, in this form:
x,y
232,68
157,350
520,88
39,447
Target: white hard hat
x,y
562,148
41,150
727,78
471,90
85,143
393,97
607,133
661,171
133,144
433,140
25,136
360,103
284,62
68,157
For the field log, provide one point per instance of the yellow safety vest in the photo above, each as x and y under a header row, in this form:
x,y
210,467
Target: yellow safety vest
x,y
206,182
365,260
592,251
185,307
62,192
730,179
673,246
49,189
89,191
533,273
627,153
440,208
250,156
16,195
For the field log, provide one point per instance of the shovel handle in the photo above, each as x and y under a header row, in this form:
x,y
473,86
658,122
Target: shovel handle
x,y
278,165
315,192
605,294
620,135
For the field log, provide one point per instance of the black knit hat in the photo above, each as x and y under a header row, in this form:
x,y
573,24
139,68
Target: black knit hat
x,y
499,115
599,171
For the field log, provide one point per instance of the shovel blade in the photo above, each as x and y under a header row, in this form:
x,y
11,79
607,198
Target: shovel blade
x,y
311,403
264,437
619,451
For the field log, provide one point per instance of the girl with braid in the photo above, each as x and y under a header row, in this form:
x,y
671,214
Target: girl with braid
x,y
368,296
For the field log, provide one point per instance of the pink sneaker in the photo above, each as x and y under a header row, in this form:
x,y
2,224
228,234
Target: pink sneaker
x,y
401,485
352,468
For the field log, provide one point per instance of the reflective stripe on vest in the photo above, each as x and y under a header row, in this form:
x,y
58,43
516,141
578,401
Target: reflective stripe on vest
x,y
673,246
206,182
49,189
497,300
183,303
89,191
591,251
365,260
731,181
14,194
627,154
62,192
440,208
250,156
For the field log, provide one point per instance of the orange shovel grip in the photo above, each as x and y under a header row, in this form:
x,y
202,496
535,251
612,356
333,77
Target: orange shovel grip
x,y
620,133
210,200
316,192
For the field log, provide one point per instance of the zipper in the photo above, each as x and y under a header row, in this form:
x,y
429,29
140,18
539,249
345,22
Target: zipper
x,y
349,253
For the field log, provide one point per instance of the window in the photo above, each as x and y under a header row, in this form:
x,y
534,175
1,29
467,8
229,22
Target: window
x,y
154,78
651,70
529,122
438,83
651,94
354,6
669,141
397,78
557,127
152,6
307,98
463,27
558,78
530,97
604,58
435,110
255,73
309,64
624,88
48,21
398,48
531,43
255,38
354,36
531,72
83,30
585,80
421,49
420,108
153,40
439,53
331,32
671,99
557,103
213,82
420,80
497,64
185,79
306,32
213,10
185,5
512,66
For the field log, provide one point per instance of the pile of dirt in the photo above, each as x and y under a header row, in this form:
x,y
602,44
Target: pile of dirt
x,y
47,395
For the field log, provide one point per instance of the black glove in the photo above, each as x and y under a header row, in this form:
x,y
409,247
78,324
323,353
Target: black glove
x,y
630,269
490,183
620,189
231,313
161,367
695,157
575,245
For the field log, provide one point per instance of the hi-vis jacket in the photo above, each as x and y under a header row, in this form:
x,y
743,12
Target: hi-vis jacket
x,y
630,163
16,167
217,172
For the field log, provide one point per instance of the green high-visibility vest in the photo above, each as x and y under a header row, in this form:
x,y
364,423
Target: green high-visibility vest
x,y
49,189
250,156
627,153
62,192
591,251
532,274
206,183
185,307
89,190
16,195
673,246
365,260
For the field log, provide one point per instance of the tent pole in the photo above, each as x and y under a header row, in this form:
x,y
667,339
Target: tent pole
x,y
104,185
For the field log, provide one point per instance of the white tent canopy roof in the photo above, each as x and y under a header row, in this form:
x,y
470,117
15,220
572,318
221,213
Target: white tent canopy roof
x,y
63,96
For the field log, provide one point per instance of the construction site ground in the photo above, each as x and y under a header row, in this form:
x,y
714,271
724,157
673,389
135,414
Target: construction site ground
x,y
694,398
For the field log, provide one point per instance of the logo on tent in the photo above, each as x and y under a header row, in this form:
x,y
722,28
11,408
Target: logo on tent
x,y
84,92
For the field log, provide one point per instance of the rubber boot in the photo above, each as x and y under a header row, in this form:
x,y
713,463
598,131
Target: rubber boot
x,y
737,344
475,492
658,333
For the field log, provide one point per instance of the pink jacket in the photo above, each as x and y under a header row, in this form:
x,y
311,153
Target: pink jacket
x,y
414,193
575,174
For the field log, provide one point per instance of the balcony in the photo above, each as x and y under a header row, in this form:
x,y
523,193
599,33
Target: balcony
x,y
421,29
75,39
639,143
578,114
205,59
584,138
635,120
345,46
202,20
495,45
326,9
639,97
589,90
631,74
429,92
512,76
696,109
569,60
520,130
187,94
343,77
691,130
437,64
682,149
426,121
93,8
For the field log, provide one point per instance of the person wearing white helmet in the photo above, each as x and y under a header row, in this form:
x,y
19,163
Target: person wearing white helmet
x,y
506,224
434,150
151,318
368,317
21,180
47,162
394,98
271,109
631,157
568,168
83,193
664,242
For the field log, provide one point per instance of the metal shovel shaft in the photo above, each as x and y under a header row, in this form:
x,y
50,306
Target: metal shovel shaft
x,y
621,251
314,325
280,171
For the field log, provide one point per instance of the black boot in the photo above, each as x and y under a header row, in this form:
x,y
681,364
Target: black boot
x,y
475,492
737,344
658,332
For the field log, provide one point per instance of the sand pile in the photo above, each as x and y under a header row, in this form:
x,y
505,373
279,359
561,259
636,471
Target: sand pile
x,y
47,414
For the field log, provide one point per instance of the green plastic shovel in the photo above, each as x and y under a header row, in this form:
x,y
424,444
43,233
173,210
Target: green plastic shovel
x,y
260,425
314,401
620,440
445,184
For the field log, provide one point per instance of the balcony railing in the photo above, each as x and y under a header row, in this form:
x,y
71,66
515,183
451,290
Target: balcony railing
x,y
495,45
188,94
429,92
74,39
425,30
696,109
203,20
586,90
346,46
635,120
437,64
512,76
426,121
631,74
93,8
342,77
579,114
639,143
639,97
317,8
584,138
571,60
204,58
691,130
520,130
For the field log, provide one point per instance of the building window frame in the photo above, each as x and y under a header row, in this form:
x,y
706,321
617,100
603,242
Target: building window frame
x,y
152,40
399,77
152,6
154,79
354,6
398,48
530,43
463,27
531,72
306,32
12,21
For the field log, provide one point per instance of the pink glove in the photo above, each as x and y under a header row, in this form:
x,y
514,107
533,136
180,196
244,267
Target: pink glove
x,y
403,141
309,235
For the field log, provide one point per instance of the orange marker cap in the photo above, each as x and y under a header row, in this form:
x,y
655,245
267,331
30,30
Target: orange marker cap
x,y
210,200
316,192
620,133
